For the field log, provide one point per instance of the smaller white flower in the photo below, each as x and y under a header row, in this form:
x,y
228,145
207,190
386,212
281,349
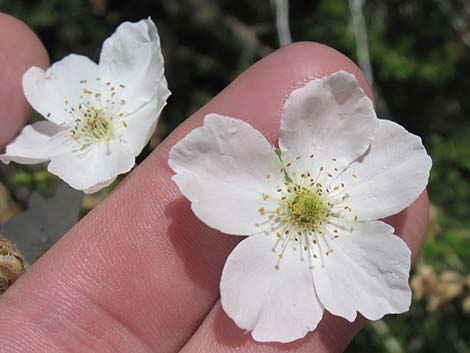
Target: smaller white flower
x,y
99,117
311,208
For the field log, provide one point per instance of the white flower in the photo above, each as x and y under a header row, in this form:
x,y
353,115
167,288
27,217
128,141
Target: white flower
x,y
99,116
311,208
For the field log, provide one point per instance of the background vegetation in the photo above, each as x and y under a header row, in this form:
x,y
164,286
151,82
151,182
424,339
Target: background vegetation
x,y
419,52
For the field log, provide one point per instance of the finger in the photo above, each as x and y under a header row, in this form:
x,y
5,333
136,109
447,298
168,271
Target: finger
x,y
141,272
218,333
20,49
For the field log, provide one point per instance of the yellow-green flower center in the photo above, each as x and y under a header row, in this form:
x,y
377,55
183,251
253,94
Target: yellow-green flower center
x,y
308,208
306,216
97,118
95,126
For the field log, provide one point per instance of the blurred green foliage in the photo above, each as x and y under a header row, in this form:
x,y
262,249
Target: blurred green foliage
x,y
420,56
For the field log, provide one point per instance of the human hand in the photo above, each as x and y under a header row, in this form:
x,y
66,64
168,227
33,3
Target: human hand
x,y
140,273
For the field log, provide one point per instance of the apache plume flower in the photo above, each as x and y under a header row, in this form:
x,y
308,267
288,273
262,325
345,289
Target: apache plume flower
x,y
99,117
311,208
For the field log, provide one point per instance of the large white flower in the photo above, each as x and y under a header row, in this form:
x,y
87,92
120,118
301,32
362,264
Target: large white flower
x,y
99,116
310,208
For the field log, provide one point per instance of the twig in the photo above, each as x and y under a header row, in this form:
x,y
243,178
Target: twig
x,y
281,8
360,33
459,23
247,36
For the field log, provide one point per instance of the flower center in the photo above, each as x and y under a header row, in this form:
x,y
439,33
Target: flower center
x,y
307,209
96,117
95,126
307,217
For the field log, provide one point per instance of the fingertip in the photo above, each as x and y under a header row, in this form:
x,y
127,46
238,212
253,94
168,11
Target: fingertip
x,y
20,49
259,93
317,60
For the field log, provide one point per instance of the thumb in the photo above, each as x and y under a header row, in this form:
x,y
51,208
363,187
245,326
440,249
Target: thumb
x,y
16,59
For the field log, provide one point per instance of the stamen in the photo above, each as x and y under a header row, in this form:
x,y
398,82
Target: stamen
x,y
96,119
306,214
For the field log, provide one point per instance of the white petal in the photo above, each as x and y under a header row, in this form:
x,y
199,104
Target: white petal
x,y
53,92
331,118
141,124
37,143
132,57
390,176
276,305
96,167
223,168
367,272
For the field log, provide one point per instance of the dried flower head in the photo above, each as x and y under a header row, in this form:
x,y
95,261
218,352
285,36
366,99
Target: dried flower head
x,y
12,264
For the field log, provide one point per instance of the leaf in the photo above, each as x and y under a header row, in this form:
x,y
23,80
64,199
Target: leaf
x,y
37,229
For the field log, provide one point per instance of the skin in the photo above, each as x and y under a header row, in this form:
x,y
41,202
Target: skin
x,y
140,273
